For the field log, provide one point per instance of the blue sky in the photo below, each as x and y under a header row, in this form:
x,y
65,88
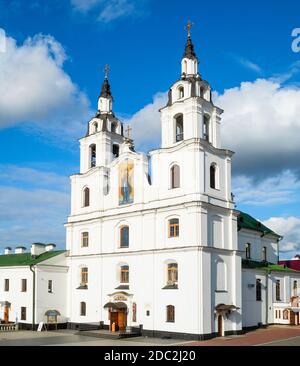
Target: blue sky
x,y
52,71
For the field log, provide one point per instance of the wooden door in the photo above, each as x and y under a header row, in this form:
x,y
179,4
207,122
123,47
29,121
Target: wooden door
x,y
220,326
292,318
6,314
297,319
122,320
114,319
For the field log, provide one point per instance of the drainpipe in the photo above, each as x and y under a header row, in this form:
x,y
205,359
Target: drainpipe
x,y
267,296
33,295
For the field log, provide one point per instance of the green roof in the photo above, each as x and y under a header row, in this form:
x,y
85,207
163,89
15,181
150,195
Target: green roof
x,y
246,221
266,266
25,259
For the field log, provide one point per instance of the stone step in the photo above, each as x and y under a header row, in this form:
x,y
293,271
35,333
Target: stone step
x,y
106,334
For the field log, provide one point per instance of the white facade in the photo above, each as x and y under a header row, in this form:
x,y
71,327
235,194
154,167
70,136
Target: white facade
x,y
206,248
17,283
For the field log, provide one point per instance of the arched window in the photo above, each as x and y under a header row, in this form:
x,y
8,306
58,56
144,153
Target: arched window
x,y
206,120
86,197
213,176
175,176
92,156
264,254
179,127
277,290
114,127
84,276
172,274
184,66
248,250
124,274
124,236
115,150
95,127
173,228
170,314
258,290
180,92
85,239
285,314
82,308
295,288
201,92
221,276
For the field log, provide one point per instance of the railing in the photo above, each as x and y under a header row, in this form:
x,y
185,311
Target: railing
x,y
8,327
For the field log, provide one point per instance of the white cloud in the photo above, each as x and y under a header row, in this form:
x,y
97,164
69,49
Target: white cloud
x,y
34,88
279,189
109,10
261,124
249,65
289,228
146,123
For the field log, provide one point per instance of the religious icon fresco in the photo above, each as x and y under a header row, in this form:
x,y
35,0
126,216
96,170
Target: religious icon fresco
x,y
126,182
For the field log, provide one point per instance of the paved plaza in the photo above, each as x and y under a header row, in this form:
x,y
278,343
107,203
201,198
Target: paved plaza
x,y
272,336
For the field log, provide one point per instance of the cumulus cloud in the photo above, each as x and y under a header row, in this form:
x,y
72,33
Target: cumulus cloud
x,y
146,123
35,89
282,188
261,124
289,228
34,205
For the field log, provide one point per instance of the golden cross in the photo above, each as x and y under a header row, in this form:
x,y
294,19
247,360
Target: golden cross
x,y
106,70
128,131
188,27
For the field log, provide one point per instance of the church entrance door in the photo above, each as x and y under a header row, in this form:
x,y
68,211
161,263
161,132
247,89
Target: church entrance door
x,y
6,314
220,326
119,319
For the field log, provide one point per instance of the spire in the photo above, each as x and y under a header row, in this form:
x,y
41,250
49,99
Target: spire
x,y
105,91
189,51
105,98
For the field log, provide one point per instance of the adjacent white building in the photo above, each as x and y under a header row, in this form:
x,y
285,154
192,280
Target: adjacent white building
x,y
154,242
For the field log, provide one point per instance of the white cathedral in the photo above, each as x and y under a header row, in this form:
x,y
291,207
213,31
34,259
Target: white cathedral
x,y
160,254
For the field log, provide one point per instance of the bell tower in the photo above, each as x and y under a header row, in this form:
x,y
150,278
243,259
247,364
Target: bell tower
x,y
190,112
104,137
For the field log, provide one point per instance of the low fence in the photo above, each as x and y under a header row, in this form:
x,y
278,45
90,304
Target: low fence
x,y
8,327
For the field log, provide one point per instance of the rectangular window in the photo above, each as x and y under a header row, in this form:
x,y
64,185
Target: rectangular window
x,y
125,274
84,276
172,273
124,237
258,290
173,228
83,309
264,254
23,313
85,240
248,251
295,288
277,286
6,284
50,286
24,285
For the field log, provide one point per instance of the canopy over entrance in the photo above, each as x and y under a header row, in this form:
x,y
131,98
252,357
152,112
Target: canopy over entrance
x,y
226,308
116,305
5,303
52,313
